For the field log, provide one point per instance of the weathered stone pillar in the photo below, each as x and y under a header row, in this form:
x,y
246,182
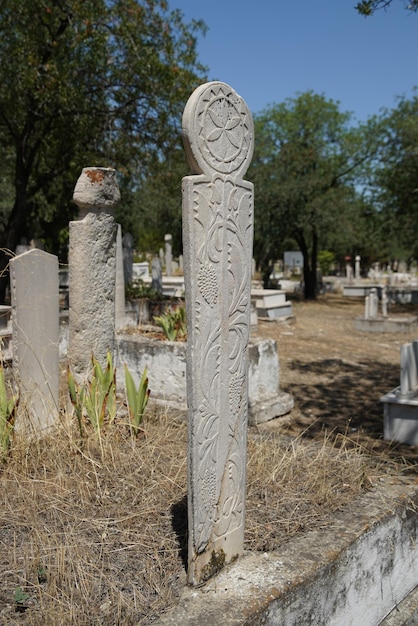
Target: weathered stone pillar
x,y
35,318
218,242
92,270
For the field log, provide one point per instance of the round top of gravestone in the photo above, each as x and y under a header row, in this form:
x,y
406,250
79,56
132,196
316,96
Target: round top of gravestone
x,y
97,190
218,131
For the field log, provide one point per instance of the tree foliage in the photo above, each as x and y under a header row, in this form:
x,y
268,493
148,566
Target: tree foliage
x,y
368,7
395,178
305,167
86,82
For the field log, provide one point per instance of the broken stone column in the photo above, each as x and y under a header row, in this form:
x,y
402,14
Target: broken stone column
x,y
218,243
35,317
92,270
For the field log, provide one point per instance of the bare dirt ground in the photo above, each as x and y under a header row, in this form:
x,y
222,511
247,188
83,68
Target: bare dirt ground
x,y
94,530
336,373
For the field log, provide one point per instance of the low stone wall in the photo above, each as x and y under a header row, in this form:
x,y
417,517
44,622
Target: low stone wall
x,y
400,417
166,363
386,325
354,572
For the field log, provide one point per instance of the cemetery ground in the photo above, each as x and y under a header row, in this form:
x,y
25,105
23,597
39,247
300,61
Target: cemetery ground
x,y
93,531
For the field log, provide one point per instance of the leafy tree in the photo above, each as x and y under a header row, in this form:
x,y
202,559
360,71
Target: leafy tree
x,y
86,82
156,205
368,7
305,167
395,178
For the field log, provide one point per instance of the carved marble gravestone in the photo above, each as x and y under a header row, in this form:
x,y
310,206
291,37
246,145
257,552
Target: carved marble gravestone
x,y
218,241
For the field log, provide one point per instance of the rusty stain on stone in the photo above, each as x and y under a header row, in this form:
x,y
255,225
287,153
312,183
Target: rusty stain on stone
x,y
95,176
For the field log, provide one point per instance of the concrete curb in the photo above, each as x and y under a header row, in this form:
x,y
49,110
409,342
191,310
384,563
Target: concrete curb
x,y
355,571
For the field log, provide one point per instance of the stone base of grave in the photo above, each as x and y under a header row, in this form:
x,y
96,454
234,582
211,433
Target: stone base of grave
x,y
264,411
166,363
359,290
400,415
386,324
172,286
360,570
271,304
403,295
6,331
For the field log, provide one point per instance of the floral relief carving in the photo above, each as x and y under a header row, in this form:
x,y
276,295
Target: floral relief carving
x,y
208,284
236,384
218,226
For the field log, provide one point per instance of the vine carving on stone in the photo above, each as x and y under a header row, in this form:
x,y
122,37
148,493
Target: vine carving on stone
x,y
218,234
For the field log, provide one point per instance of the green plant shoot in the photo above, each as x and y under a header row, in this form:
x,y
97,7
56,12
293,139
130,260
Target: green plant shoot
x,y
77,399
173,323
137,398
96,398
8,408
19,598
100,396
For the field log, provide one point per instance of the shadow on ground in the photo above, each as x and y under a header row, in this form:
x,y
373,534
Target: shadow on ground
x,y
345,398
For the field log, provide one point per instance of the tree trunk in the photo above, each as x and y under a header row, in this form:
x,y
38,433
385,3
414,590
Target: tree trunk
x,y
309,264
16,228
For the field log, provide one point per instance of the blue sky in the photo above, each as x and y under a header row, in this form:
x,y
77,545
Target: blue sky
x,y
270,50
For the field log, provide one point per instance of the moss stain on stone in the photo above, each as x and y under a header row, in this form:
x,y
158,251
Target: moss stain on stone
x,y
216,563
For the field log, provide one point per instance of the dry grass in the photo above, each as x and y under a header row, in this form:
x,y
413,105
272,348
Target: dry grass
x,y
296,484
96,522
94,531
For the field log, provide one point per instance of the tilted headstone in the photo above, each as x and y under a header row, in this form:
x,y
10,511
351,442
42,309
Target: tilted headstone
x,y
217,243
35,317
92,270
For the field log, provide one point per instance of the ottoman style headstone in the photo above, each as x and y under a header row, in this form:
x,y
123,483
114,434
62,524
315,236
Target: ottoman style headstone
x,y
35,317
92,270
218,242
